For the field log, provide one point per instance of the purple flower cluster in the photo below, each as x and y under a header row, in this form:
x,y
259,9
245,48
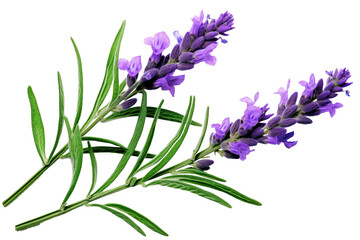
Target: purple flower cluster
x,y
235,139
192,48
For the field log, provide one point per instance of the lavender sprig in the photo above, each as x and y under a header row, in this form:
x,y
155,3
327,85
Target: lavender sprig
x,y
230,139
234,140
195,47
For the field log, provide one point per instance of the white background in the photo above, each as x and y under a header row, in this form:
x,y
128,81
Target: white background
x,y
308,192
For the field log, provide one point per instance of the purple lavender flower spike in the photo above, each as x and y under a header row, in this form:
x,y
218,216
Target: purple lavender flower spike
x,y
133,67
203,164
221,130
315,99
168,82
283,94
241,149
309,86
158,43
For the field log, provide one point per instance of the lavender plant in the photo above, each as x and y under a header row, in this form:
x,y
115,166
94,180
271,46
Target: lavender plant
x,y
229,139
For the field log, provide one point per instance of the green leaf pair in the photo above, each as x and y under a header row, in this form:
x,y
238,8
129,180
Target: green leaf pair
x,y
119,210
38,126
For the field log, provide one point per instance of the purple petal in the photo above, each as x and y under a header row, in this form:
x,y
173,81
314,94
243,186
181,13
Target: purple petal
x,y
123,64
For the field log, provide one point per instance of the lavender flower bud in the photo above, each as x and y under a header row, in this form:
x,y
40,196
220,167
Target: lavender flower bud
x,y
249,141
337,89
203,164
257,132
324,102
211,35
303,119
185,44
313,113
186,56
310,107
277,132
304,100
290,111
175,52
235,127
292,99
211,25
168,68
202,30
323,95
329,86
319,86
197,43
150,74
185,66
332,95
288,122
126,104
273,122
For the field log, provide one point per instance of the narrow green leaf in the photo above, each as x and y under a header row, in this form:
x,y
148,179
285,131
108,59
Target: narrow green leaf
x,y
214,185
76,153
165,114
80,90
201,173
132,145
190,188
68,128
107,149
61,115
93,167
104,140
37,126
141,218
173,150
115,69
171,143
196,150
108,78
144,151
121,216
